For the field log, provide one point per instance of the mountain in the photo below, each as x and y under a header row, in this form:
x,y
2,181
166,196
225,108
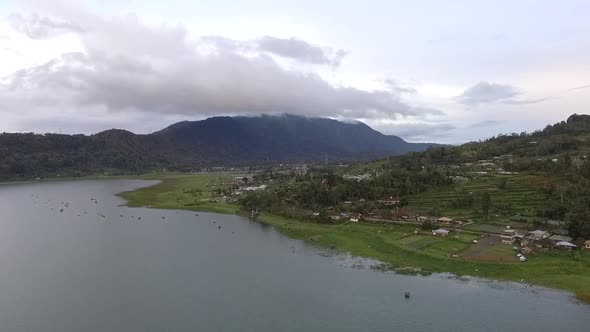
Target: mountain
x,y
280,138
217,141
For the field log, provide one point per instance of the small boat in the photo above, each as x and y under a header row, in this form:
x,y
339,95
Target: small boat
x,y
407,295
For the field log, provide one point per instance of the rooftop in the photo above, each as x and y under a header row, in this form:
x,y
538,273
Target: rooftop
x,y
538,232
563,238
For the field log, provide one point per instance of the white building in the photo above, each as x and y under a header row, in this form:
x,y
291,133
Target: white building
x,y
509,236
440,232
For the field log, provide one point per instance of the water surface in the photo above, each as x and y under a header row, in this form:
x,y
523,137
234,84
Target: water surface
x,y
100,266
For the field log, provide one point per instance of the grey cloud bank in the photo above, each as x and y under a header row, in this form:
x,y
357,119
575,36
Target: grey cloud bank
x,y
92,66
301,50
487,93
129,66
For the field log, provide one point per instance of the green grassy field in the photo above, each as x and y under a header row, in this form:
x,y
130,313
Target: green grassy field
x,y
194,192
395,245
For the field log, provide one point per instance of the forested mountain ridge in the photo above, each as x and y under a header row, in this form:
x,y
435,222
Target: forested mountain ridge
x,y
217,141
517,151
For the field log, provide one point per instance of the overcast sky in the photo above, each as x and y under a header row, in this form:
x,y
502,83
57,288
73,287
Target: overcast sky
x,y
436,71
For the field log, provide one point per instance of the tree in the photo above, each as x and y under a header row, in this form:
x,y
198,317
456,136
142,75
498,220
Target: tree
x,y
427,225
579,225
486,201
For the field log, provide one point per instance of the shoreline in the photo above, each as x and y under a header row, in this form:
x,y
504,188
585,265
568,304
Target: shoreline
x,y
357,240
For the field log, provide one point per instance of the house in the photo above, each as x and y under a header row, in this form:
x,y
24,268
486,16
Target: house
x,y
457,179
538,234
587,244
444,220
388,202
355,217
487,165
440,232
252,188
526,250
509,235
565,245
315,214
560,238
545,243
358,178
422,218
397,214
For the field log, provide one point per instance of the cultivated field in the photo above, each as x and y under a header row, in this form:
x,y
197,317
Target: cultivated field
x,y
520,195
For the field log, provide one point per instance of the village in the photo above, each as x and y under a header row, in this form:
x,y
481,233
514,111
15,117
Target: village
x,y
522,238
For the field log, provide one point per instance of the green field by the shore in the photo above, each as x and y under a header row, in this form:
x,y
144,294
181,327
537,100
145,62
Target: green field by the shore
x,y
395,245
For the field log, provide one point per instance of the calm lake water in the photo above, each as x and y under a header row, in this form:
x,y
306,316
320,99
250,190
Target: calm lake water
x,y
97,266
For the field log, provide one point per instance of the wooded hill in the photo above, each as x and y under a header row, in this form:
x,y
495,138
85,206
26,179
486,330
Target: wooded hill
x,y
187,146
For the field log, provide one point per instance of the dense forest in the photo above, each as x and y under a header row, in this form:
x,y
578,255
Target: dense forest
x,y
188,146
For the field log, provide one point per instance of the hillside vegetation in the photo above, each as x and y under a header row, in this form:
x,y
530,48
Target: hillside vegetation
x,y
530,180
190,146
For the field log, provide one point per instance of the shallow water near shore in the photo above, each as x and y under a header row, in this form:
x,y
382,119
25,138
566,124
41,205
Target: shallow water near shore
x,y
74,259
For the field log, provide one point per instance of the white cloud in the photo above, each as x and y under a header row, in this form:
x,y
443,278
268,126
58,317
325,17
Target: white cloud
x,y
39,27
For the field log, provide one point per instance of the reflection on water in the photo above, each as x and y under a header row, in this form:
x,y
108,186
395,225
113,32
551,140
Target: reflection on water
x,y
74,259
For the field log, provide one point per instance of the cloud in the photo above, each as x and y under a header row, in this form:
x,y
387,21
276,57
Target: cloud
x,y
226,83
292,48
485,92
38,27
301,50
394,85
580,87
128,66
416,131
488,93
524,101
485,123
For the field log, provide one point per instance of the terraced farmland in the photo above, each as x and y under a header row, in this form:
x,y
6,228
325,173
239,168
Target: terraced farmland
x,y
518,195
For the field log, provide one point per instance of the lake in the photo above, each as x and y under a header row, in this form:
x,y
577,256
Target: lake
x,y
99,266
